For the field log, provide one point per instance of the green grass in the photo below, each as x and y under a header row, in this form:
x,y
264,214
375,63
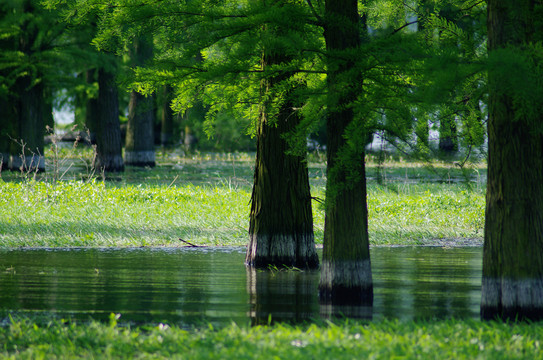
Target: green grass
x,y
347,339
205,200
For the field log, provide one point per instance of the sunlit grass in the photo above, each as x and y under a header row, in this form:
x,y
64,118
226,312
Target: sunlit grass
x,y
78,213
92,214
348,339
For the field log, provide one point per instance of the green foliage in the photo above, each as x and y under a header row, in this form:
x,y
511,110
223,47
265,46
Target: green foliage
x,y
346,339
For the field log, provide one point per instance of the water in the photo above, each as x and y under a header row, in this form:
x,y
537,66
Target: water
x,y
195,286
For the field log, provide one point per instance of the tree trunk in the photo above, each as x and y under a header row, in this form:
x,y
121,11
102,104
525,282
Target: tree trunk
x,y
92,109
281,219
448,140
29,148
140,141
8,120
108,130
346,270
512,285
166,117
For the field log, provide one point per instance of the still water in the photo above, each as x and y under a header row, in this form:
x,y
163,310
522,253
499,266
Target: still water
x,y
194,286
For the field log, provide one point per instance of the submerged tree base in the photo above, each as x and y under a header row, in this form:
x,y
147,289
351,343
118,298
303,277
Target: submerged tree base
x,y
509,299
266,251
346,282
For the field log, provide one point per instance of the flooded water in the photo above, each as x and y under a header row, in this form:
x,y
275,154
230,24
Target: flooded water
x,y
195,286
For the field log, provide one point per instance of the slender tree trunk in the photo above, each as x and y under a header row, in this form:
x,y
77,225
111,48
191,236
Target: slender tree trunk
x,y
512,285
281,219
166,117
140,141
92,109
108,130
346,270
448,140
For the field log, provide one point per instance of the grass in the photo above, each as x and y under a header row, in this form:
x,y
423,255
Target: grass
x,y
78,213
204,199
346,339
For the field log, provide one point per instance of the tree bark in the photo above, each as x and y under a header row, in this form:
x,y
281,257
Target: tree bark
x,y
512,285
140,141
30,131
108,129
166,117
281,219
29,148
346,270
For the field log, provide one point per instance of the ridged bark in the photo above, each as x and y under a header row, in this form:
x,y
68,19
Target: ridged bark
x,y
108,129
28,152
140,141
281,219
512,285
346,270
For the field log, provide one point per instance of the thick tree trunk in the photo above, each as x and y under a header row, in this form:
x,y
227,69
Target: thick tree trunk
x,y
8,120
346,270
108,130
140,141
29,149
281,219
140,144
512,285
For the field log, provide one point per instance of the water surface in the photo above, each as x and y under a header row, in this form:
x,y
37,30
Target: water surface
x,y
194,286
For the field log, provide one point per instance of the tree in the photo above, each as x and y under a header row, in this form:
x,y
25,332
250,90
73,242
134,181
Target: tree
x,y
28,34
140,142
246,70
346,268
512,285
281,219
108,131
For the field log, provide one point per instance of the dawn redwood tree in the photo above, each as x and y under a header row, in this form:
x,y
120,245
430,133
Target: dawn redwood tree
x,y
108,130
346,270
140,141
230,38
281,219
166,116
512,285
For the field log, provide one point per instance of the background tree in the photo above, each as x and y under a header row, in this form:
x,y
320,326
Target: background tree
x,y
108,131
513,247
140,140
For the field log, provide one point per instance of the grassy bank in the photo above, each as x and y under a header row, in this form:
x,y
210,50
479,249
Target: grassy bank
x,y
80,213
449,339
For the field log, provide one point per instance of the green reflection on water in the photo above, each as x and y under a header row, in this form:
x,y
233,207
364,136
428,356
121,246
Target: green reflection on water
x,y
195,286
